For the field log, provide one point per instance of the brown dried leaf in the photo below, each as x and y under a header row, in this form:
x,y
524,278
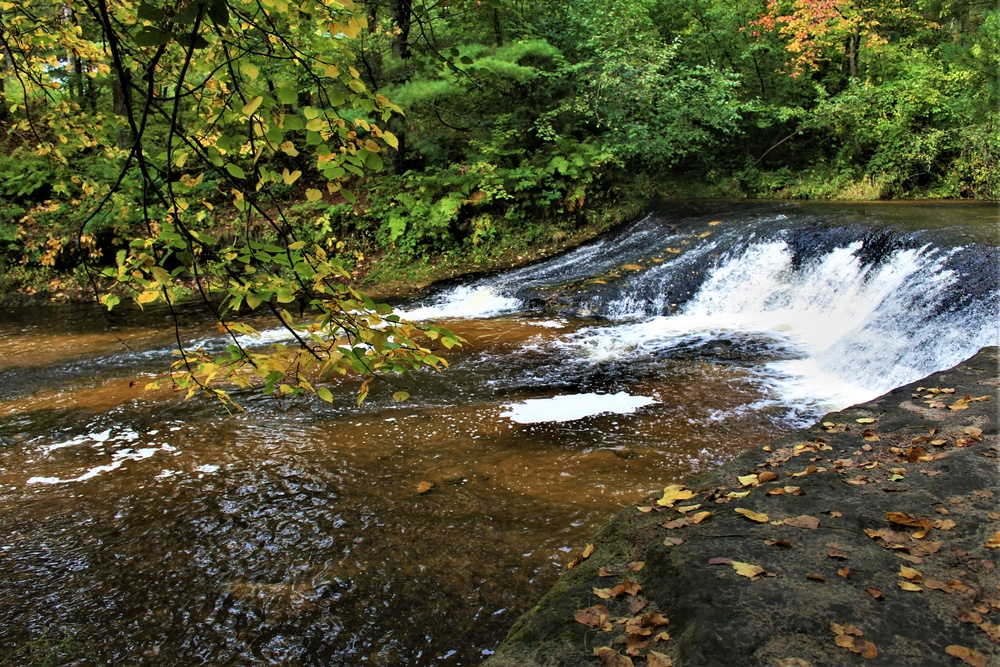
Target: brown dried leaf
x,y
815,577
676,523
637,565
612,658
936,585
965,616
844,572
756,517
875,593
424,487
778,543
903,519
672,541
766,476
808,471
992,630
967,655
635,644
793,662
944,524
656,659
605,571
594,617
720,561
804,521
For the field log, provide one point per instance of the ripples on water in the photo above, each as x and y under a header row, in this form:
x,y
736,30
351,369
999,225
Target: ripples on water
x,y
165,533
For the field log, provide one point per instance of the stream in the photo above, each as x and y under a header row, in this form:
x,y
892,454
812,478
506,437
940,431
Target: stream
x,y
138,528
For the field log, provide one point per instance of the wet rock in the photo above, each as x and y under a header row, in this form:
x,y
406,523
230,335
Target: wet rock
x,y
900,569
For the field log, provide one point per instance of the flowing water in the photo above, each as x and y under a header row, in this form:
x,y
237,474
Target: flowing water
x,y
140,529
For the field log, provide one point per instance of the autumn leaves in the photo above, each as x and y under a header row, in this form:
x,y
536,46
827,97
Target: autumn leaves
x,y
816,529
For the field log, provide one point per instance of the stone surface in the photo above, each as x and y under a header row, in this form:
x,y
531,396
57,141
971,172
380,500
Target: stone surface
x,y
861,479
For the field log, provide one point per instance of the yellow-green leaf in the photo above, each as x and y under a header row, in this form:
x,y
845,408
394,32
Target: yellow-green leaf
x,y
290,177
250,70
400,396
390,139
312,194
325,394
252,105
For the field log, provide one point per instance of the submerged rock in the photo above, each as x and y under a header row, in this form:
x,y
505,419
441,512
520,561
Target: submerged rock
x,y
872,535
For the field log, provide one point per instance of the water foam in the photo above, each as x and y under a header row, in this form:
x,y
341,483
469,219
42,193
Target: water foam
x,y
570,407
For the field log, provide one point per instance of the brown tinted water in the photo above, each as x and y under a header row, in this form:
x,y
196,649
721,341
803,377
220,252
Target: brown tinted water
x,y
293,533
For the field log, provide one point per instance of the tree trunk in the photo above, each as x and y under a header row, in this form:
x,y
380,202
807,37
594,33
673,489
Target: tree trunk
x,y
121,88
402,15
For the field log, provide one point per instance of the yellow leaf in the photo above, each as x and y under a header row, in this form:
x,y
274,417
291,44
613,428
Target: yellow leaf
x,y
290,178
748,480
749,571
910,586
252,105
909,573
149,296
390,139
753,516
674,493
312,194
699,517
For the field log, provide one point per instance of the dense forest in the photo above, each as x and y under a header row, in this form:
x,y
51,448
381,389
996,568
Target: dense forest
x,y
269,149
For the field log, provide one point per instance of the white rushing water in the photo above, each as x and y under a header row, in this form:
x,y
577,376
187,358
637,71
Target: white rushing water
x,y
848,330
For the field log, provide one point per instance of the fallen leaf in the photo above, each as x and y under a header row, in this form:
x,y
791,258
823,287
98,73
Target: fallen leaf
x,y
687,508
974,432
674,493
424,487
910,574
778,543
815,577
661,637
748,480
672,541
866,420
605,572
645,509
944,524
612,658
967,655
793,662
910,586
635,566
654,659
994,542
700,516
635,644
936,585
584,555
969,617
752,572
766,476
875,593
720,561
676,523
756,517
737,494
804,521
844,571
992,630
594,617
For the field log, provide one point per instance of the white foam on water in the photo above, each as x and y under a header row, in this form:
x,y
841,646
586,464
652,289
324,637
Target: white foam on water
x,y
569,407
118,459
465,302
855,330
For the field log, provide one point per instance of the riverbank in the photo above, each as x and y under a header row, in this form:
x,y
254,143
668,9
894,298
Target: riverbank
x,y
872,534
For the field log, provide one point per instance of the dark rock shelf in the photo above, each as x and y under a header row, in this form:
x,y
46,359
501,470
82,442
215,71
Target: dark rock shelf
x,y
906,491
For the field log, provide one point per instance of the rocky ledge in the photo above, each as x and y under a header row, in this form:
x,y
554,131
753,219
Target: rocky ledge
x,y
870,538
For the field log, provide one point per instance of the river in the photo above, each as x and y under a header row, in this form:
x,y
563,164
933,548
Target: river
x,y
141,529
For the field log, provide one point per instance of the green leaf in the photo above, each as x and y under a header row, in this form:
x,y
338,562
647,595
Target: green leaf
x,y
400,396
152,36
235,170
253,301
287,94
325,394
390,139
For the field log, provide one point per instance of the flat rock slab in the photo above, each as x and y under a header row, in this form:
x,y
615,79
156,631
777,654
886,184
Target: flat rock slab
x,y
870,538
